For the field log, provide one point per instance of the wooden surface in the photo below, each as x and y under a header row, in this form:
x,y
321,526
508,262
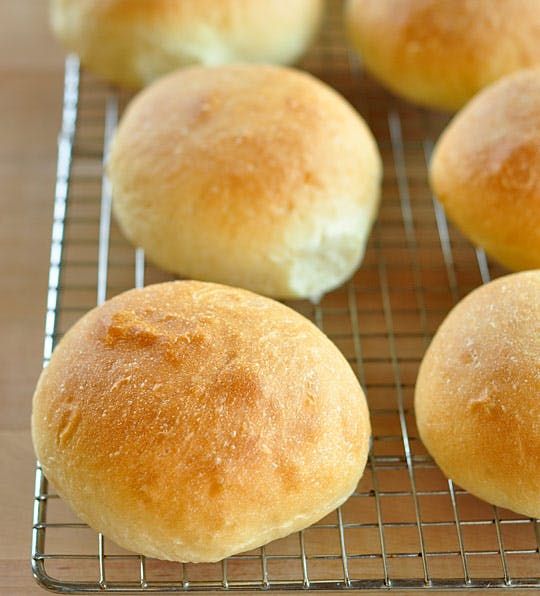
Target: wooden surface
x,y
31,66
31,69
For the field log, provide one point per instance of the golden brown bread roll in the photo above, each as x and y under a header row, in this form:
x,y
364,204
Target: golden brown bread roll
x,y
486,170
190,421
478,393
439,53
132,42
259,177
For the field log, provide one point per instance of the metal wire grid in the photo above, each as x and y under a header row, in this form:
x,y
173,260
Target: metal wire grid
x,y
406,526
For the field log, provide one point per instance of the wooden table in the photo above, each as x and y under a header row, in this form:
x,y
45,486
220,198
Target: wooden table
x,y
31,69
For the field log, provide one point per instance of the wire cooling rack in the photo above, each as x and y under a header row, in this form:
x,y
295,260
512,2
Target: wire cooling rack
x,y
406,526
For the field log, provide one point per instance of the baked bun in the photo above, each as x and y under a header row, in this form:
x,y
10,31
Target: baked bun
x,y
486,170
132,42
439,53
478,393
191,421
260,177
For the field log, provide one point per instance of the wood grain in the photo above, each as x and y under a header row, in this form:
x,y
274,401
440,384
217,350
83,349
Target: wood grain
x,y
31,70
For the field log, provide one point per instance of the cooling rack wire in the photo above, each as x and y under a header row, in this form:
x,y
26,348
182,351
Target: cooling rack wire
x,y
406,526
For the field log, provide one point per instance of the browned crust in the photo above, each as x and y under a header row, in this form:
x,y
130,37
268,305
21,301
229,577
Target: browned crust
x,y
132,42
440,53
234,174
190,421
478,393
486,170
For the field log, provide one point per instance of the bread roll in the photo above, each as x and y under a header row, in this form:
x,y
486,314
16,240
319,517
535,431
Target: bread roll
x,y
260,177
132,42
439,53
486,170
478,393
191,421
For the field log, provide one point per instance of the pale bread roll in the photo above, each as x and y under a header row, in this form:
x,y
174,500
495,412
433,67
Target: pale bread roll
x,y
191,421
133,42
439,53
486,170
478,393
260,177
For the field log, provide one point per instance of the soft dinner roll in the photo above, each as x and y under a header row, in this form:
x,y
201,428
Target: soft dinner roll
x,y
256,176
478,393
191,421
132,42
486,170
439,53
